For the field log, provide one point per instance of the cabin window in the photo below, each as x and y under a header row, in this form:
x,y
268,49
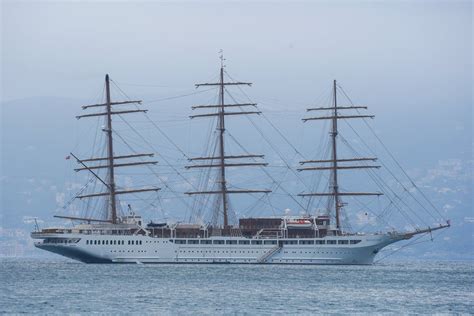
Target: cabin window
x,y
231,242
129,242
193,241
270,242
256,242
332,242
180,241
244,242
87,242
206,242
353,242
218,242
103,242
343,242
306,242
290,242
320,242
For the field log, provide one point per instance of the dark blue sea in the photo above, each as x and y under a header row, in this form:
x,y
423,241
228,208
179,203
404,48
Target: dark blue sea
x,y
39,286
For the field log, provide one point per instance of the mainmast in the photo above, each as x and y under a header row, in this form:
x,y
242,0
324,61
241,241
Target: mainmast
x,y
334,167
109,183
221,145
222,157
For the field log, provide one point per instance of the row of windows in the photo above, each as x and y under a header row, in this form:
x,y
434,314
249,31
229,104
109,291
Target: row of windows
x,y
227,260
318,252
61,240
265,242
228,242
113,242
224,242
257,252
219,251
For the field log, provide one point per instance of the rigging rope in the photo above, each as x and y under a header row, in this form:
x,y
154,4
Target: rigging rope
x,y
395,160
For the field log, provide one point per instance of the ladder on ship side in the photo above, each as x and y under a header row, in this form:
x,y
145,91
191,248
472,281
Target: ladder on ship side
x,y
267,255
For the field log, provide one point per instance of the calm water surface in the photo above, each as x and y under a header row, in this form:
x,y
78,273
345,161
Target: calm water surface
x,y
56,286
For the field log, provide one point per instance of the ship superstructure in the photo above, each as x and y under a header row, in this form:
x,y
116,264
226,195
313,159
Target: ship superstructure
x,y
305,239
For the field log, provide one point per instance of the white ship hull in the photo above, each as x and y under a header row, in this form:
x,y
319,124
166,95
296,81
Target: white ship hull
x,y
333,250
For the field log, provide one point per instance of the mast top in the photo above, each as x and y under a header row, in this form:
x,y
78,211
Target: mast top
x,y
221,57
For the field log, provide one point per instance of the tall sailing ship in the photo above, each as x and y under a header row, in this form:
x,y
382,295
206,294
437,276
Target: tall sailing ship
x,y
307,239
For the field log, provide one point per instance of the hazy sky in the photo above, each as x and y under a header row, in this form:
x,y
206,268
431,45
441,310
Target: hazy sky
x,y
409,61
62,48
413,58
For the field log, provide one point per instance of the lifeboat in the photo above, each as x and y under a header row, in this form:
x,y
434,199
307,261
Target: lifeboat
x,y
299,223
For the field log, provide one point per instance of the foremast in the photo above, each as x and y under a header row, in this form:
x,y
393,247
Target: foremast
x,y
335,162
109,183
222,158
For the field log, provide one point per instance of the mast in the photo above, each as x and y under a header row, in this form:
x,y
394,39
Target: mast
x,y
109,183
222,157
110,153
221,145
334,161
